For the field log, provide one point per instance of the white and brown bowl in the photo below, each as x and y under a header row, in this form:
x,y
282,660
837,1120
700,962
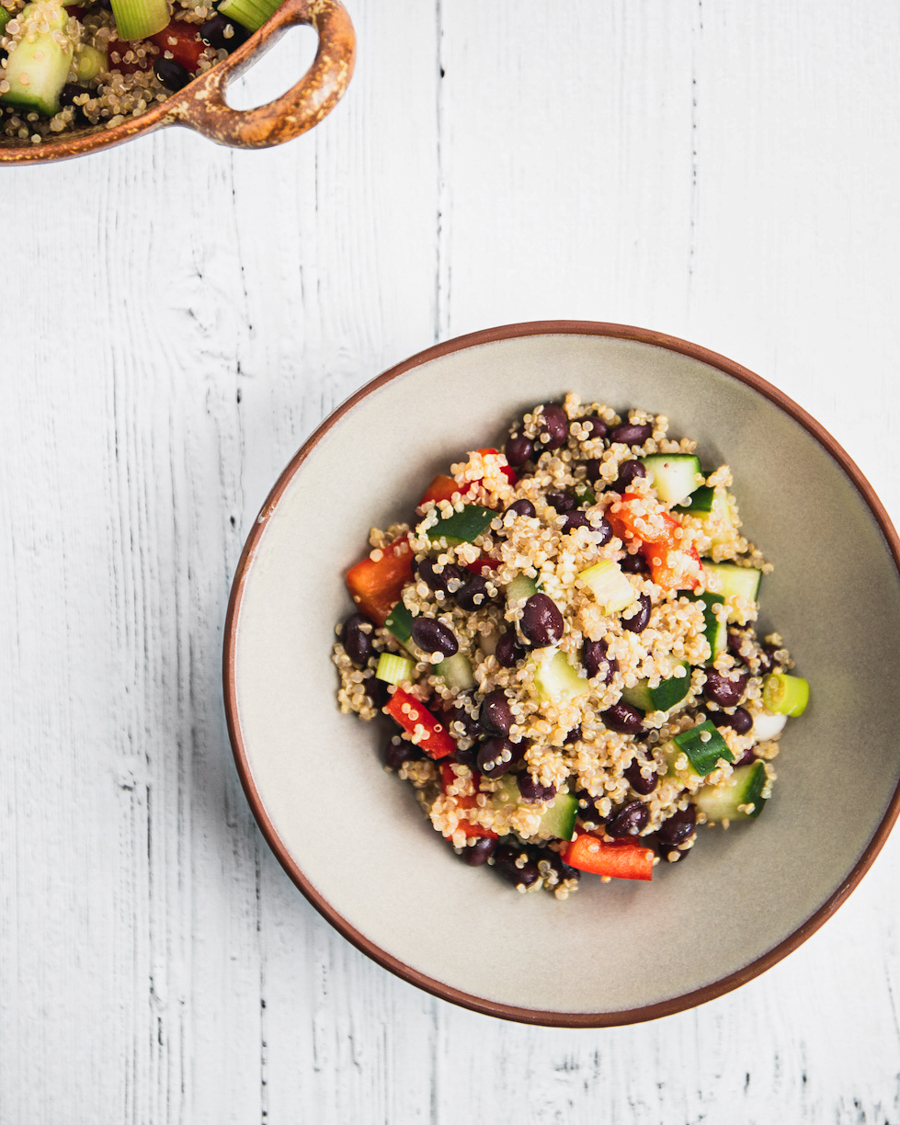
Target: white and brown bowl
x,y
351,836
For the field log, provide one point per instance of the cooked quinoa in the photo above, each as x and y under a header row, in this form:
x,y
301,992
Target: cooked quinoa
x,y
565,638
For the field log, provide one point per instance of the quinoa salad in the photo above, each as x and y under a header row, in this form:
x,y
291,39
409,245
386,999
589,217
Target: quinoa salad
x,y
67,66
564,638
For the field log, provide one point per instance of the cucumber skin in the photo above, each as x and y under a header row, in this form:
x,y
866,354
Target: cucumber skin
x,y
702,756
558,820
663,697
464,526
716,631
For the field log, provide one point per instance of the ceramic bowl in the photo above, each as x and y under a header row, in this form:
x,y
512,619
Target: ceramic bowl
x,y
350,834
201,105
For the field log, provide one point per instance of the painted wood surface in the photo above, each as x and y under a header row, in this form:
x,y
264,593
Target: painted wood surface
x,y
179,317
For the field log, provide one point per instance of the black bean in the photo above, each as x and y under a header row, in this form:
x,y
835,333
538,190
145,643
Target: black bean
x,y
561,501
767,659
496,717
509,652
553,426
631,433
587,808
551,862
171,74
456,712
629,820
596,662
679,827
522,508
542,623
532,790
357,637
634,564
571,520
722,690
433,636
593,470
495,757
598,428
573,736
221,33
480,852
377,692
473,593
637,623
67,96
396,753
624,718
740,722
735,640
666,851
636,779
506,860
438,577
629,471
602,529
745,759
518,450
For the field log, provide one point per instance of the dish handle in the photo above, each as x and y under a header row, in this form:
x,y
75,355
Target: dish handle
x,y
202,106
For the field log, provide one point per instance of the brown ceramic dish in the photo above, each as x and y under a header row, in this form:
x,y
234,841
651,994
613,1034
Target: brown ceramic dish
x,y
201,104
351,836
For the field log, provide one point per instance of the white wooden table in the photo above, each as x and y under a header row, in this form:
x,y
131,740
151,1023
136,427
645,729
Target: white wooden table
x,y
178,318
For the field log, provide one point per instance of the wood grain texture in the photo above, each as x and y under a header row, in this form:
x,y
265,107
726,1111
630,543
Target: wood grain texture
x,y
187,316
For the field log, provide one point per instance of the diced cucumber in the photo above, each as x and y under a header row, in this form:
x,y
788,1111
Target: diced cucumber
x,y
701,500
737,581
730,799
665,695
714,510
399,623
38,65
5,17
464,526
520,589
555,678
715,627
610,587
456,672
704,746
784,694
394,669
558,820
674,475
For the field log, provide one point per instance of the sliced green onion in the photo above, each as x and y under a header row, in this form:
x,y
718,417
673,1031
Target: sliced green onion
x,y
784,694
394,669
252,14
703,752
89,62
139,19
456,671
609,586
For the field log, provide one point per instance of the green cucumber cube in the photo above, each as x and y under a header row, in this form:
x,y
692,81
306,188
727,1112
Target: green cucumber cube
x,y
555,678
731,799
610,587
464,526
737,581
674,475
704,746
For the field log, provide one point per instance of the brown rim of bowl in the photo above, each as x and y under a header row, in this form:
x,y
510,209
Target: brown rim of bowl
x,y
436,988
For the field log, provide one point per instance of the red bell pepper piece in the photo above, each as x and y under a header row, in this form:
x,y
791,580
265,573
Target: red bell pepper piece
x,y
427,731
448,777
673,566
442,488
182,41
636,517
376,586
623,859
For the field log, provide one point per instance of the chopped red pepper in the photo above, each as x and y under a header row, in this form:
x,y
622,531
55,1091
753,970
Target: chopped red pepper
x,y
624,859
427,731
443,488
182,41
673,566
470,801
376,585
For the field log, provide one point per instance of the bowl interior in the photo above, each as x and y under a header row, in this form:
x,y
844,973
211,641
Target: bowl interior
x,y
352,833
